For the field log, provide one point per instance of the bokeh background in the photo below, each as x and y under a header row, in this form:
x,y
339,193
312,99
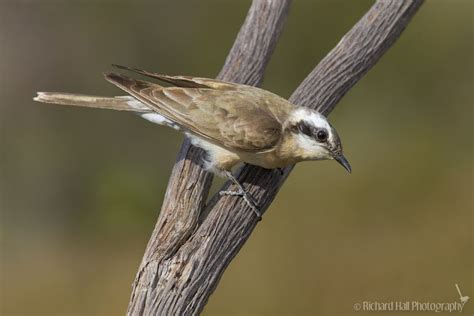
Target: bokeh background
x,y
81,188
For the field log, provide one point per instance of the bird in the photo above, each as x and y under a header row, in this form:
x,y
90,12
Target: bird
x,y
233,123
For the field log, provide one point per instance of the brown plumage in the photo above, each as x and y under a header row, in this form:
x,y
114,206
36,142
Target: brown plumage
x,y
232,122
225,114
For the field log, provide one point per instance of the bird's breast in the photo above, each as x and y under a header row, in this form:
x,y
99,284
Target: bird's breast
x,y
267,160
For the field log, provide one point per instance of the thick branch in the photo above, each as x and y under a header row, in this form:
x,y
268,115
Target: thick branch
x,y
189,184
180,271
194,270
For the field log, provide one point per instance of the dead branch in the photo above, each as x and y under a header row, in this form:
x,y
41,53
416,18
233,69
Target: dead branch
x,y
187,255
189,184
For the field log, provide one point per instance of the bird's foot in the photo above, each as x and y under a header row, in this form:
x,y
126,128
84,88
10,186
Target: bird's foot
x,y
247,198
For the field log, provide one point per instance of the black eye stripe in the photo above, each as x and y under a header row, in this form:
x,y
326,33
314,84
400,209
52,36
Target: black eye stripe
x,y
319,134
305,129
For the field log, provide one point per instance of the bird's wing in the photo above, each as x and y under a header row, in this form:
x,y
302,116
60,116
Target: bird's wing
x,y
184,81
231,118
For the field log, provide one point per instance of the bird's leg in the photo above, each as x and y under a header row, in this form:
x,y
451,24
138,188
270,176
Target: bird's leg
x,y
242,193
281,171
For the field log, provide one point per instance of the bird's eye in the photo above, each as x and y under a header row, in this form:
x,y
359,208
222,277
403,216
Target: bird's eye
x,y
322,135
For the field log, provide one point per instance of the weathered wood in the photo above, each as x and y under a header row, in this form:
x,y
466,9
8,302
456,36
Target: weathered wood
x,y
189,184
180,270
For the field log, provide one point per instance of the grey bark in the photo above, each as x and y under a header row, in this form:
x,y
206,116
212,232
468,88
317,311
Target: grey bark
x,y
190,248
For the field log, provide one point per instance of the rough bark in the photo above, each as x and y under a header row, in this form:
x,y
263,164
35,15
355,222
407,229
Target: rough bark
x,y
189,184
187,254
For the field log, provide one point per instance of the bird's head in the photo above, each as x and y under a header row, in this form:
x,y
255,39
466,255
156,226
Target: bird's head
x,y
313,138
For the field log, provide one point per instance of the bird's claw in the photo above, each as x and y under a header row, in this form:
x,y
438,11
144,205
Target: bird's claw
x,y
246,196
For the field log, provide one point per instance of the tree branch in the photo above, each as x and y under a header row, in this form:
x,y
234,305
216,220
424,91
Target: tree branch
x,y
189,184
180,270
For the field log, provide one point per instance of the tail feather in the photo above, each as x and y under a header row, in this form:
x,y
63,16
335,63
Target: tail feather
x,y
121,103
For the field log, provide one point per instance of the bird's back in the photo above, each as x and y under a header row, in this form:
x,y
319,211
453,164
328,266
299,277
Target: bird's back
x,y
236,117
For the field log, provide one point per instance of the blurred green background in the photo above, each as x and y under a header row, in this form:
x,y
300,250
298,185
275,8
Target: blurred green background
x,y
81,188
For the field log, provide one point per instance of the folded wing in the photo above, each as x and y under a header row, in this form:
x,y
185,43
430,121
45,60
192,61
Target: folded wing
x,y
219,112
184,81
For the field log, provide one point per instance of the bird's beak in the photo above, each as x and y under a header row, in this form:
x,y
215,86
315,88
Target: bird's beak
x,y
343,162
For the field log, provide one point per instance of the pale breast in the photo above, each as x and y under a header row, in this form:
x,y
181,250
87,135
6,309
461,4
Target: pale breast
x,y
217,159
267,160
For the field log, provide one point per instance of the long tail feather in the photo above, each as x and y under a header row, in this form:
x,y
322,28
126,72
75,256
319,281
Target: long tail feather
x,y
121,103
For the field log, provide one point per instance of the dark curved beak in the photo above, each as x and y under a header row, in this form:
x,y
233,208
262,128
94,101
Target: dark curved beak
x,y
343,162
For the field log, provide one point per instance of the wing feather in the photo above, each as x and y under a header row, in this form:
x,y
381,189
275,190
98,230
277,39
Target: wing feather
x,y
236,119
183,81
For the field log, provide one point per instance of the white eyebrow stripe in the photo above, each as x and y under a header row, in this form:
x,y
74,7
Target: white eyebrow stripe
x,y
312,117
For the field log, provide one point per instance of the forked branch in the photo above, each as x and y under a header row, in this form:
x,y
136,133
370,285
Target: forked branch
x,y
188,186
186,256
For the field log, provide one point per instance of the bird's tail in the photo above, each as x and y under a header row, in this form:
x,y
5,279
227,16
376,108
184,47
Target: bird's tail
x,y
121,103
